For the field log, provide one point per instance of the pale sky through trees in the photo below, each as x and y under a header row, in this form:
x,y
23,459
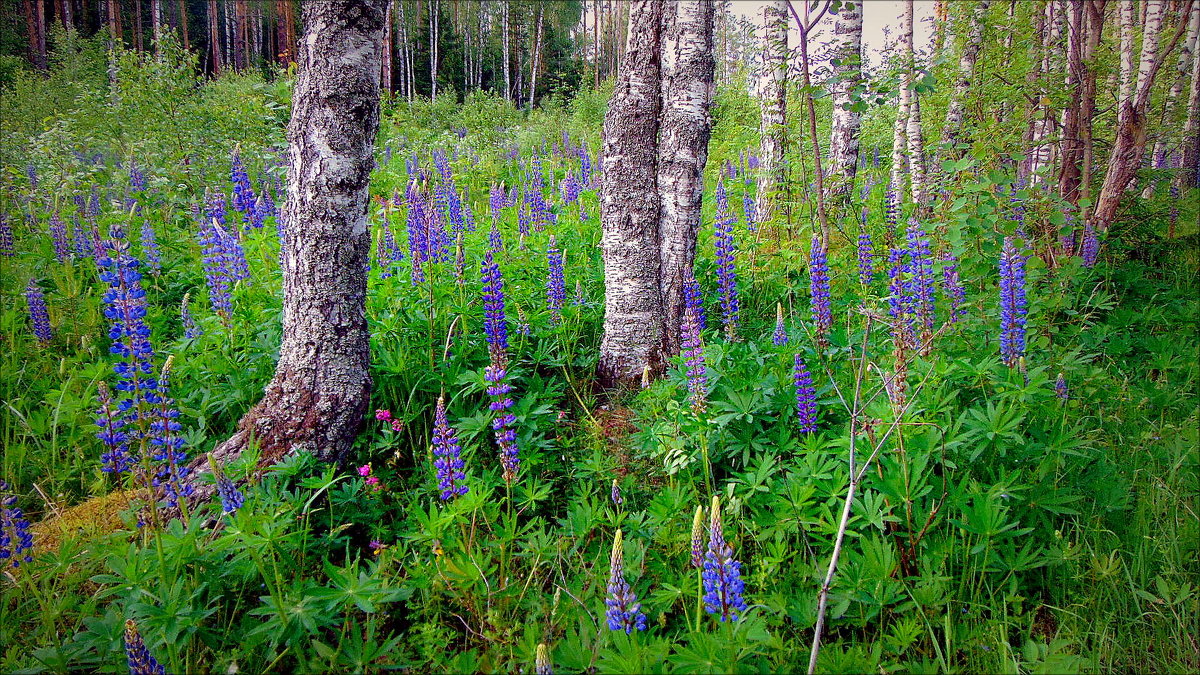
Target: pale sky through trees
x,y
877,15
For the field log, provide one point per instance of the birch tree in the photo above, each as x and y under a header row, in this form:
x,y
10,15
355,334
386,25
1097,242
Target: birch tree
x,y
773,131
913,130
317,400
952,130
1190,175
843,139
1178,78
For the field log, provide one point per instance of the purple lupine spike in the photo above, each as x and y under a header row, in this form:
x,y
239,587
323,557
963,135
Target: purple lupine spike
x,y
244,199
723,584
749,208
449,463
1060,388
16,540
497,201
137,179
116,459
698,538
615,493
190,330
39,318
150,249
898,300
437,237
726,263
468,211
495,323
891,203
822,313
418,241
217,274
495,241
866,258
585,167
503,422
920,282
693,360
31,174
1012,303
1068,239
58,234
1089,250
806,396
693,298
7,248
953,287
140,660
570,188
579,300
556,287
780,337
166,442
81,245
623,609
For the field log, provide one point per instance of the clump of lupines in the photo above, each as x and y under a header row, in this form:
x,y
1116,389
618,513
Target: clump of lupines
x,y
866,256
446,449
1090,248
1060,388
7,248
556,285
953,287
58,235
723,584
693,359
822,313
165,439
140,660
1012,303
624,611
698,538
779,338
418,236
16,541
726,263
38,316
806,396
919,285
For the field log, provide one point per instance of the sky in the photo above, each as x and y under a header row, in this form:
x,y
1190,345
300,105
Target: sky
x,y
877,14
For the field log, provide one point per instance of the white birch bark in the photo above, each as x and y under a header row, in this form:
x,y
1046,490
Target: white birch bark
x,y
844,137
773,131
1174,94
1041,154
952,132
1190,175
912,132
504,30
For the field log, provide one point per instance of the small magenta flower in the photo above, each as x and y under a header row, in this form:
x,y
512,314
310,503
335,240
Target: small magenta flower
x,y
16,541
693,358
624,611
1060,388
723,584
822,313
449,463
140,660
779,338
1013,306
806,396
39,317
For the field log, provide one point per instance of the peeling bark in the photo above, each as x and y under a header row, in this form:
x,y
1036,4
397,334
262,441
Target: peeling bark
x,y
318,397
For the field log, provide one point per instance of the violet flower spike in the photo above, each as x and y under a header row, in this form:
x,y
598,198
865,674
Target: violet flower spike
x,y
39,317
723,584
624,611
448,453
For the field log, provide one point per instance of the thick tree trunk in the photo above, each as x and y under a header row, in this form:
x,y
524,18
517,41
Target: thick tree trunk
x,y
35,25
156,24
774,106
687,92
952,131
318,398
214,36
629,205
843,139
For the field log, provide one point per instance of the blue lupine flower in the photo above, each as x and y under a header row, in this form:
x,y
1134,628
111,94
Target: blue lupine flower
x,y
244,199
693,298
898,301
116,459
38,316
137,179
693,359
58,234
1060,388
698,538
866,258
806,396
749,208
232,498
150,249
504,422
449,462
217,274
726,263
495,323
556,287
166,442
1012,303
1090,249
497,200
891,211
615,493
7,248
418,236
570,188
953,287
16,541
190,330
140,660
822,313
585,167
31,174
541,661
624,611
723,584
919,286
780,337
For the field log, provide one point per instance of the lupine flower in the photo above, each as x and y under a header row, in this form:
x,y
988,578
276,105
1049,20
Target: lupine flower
x,y
891,211
58,234
1090,249
919,287
723,583
726,263
244,199
693,359
1068,240
749,209
898,300
140,660
806,397
752,162
1012,303
38,316
137,179
168,444
497,200
16,541
579,299
523,220
953,287
779,338
190,330
495,324
822,313
468,212
495,241
698,538
504,422
108,418
541,662
693,298
7,248
570,188
556,287
866,258
449,463
217,274
624,611
585,167
418,236
150,248
438,237
31,174
1060,388
232,499
615,493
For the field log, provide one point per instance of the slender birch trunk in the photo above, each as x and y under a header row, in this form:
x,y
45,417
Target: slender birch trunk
x,y
629,208
317,400
156,24
386,59
536,53
843,139
506,30
434,51
687,93
1174,94
912,132
773,131
952,131
1189,177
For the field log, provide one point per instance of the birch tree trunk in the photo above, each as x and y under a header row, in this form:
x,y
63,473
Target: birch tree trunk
x,y
1189,177
774,106
317,400
843,139
912,132
952,132
537,48
629,207
434,52
1178,78
687,92
505,31
1041,153
156,24
385,83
